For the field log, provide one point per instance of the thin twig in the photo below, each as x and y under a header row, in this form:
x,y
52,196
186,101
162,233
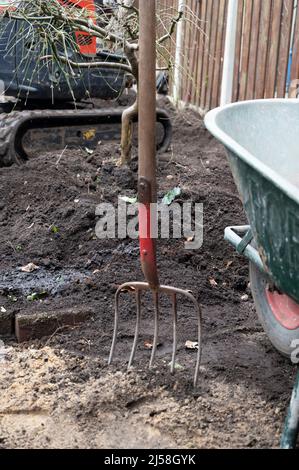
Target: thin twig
x,y
61,155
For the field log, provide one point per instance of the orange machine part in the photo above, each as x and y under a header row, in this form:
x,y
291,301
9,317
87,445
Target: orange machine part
x,y
86,43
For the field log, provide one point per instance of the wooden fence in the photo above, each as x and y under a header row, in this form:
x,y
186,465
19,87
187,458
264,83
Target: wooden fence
x,y
266,56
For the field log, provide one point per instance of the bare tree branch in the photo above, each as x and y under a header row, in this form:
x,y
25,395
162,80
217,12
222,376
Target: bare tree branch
x,y
88,65
174,22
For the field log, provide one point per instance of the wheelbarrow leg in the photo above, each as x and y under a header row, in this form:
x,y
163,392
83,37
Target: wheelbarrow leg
x,y
291,427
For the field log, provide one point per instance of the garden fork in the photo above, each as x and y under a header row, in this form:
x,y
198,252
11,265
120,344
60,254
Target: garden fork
x,y
147,199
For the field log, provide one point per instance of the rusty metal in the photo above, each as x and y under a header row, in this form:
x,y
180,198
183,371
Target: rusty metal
x,y
147,196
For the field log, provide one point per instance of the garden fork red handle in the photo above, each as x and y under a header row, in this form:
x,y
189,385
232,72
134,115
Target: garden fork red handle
x,y
147,211
147,224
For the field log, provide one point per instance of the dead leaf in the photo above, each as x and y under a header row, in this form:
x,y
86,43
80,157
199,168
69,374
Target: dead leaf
x,y
229,263
191,345
177,366
29,268
213,282
149,345
89,134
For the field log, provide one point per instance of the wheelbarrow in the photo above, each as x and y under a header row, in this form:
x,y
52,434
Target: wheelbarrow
x,y
262,141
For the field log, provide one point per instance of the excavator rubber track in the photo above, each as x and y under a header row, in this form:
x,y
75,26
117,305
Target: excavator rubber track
x,y
70,128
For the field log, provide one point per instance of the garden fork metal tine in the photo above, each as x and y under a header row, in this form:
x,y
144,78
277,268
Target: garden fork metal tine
x,y
116,322
137,329
175,339
174,292
137,288
131,287
156,328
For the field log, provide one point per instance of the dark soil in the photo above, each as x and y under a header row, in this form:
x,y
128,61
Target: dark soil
x,y
62,383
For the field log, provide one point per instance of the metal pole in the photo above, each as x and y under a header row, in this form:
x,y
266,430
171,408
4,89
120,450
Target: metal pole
x,y
291,428
229,53
178,56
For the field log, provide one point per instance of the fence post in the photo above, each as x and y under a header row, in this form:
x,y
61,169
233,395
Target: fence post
x,y
229,53
178,56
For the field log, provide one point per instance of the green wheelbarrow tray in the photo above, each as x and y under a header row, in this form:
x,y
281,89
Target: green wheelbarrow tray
x,y
262,140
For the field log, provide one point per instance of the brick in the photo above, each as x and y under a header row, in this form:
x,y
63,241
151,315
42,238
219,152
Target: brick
x,y
30,326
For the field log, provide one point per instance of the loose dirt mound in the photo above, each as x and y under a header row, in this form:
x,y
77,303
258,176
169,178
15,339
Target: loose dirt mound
x,y
47,217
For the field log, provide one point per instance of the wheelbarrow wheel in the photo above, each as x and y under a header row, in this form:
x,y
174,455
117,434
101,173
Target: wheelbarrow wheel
x,y
278,314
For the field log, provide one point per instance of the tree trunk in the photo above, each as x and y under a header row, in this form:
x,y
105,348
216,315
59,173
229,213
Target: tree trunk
x,y
129,114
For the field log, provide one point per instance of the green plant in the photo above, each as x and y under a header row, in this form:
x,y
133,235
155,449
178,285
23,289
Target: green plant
x,y
171,195
54,229
36,296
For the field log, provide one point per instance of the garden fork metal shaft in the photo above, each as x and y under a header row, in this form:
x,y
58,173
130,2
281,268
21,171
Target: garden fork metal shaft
x,y
147,200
